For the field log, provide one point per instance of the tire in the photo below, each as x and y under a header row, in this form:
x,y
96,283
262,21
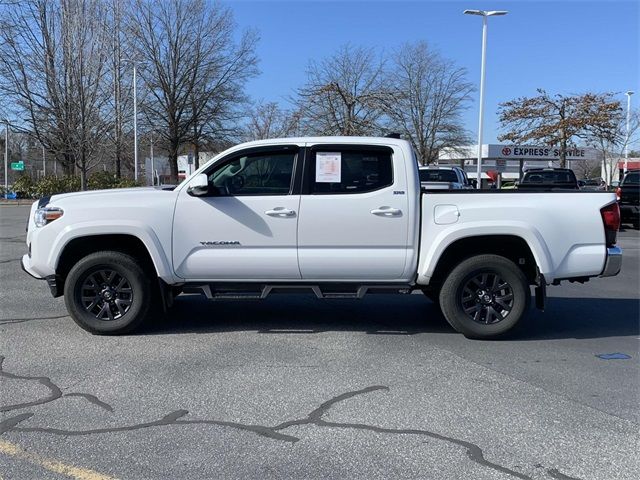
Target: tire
x,y
493,306
118,293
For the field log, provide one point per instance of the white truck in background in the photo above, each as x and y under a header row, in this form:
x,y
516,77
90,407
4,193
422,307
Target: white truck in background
x,y
338,216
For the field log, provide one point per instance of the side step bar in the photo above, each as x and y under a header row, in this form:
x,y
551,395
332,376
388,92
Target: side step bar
x,y
259,291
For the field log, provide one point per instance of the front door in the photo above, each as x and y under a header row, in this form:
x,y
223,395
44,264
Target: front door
x,y
247,228
354,218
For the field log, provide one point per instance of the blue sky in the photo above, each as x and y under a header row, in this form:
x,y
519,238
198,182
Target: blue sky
x,y
564,47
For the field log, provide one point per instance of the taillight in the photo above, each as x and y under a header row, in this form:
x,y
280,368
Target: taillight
x,y
611,220
618,193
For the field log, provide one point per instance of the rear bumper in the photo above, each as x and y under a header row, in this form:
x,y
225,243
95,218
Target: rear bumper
x,y
613,263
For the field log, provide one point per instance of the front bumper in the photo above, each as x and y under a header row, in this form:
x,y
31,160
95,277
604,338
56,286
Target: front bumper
x,y
613,262
25,263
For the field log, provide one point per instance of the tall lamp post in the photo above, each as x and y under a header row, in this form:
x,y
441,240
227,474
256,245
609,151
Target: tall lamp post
x,y
484,14
135,124
6,158
626,142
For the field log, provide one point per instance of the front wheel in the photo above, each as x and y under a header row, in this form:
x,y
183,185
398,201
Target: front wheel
x,y
485,296
108,293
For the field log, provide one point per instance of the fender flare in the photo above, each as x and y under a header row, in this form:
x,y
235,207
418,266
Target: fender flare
x,y
445,238
138,230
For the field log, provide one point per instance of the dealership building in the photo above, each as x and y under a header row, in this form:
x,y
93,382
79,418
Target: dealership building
x,y
511,160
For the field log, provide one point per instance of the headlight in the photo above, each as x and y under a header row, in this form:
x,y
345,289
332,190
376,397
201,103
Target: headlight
x,y
46,215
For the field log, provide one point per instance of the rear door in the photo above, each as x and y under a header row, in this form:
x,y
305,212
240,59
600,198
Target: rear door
x,y
354,219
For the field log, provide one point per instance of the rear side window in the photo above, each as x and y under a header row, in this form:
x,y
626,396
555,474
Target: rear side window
x,y
632,179
348,171
437,176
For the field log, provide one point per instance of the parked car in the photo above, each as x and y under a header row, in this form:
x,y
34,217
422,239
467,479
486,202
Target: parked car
x,y
628,194
548,179
593,184
441,177
337,216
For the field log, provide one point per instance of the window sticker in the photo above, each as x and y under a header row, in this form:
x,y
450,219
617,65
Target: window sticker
x,y
328,167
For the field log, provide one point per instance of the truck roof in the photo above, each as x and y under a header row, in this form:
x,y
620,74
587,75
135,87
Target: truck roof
x,y
328,139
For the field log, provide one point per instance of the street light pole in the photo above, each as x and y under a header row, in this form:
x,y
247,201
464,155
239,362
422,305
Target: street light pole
x,y
153,178
135,125
626,142
6,158
484,15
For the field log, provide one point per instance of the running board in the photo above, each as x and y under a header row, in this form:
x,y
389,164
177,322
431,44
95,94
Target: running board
x,y
215,291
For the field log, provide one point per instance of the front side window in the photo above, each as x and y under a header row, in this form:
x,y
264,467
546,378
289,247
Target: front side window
x,y
255,174
336,171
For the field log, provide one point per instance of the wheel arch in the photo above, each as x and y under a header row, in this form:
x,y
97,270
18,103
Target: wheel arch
x,y
81,246
510,246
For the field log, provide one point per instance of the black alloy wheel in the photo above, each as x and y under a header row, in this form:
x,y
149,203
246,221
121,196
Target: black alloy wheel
x,y
106,294
487,298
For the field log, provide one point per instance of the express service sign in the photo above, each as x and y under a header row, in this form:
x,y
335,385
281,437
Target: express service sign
x,y
529,152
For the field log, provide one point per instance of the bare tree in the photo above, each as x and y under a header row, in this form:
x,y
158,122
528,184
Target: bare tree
x,y
194,71
52,57
344,94
120,70
430,93
611,142
558,119
268,120
219,91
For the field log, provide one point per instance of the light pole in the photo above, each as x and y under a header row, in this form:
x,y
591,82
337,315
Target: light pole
x,y
626,142
484,14
6,158
153,178
135,124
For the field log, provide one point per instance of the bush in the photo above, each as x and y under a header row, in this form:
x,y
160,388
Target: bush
x,y
101,181
127,183
47,186
23,186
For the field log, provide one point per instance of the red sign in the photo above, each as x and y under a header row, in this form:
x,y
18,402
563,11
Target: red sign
x,y
506,151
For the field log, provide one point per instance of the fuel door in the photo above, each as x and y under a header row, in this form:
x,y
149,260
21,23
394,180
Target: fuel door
x,y
445,214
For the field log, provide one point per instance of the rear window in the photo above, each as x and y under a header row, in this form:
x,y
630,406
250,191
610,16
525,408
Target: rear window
x,y
632,179
437,176
350,170
549,177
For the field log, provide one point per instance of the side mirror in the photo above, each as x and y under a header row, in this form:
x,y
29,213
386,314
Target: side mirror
x,y
199,186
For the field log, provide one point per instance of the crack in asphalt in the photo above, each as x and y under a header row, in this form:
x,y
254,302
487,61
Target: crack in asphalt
x,y
559,475
9,260
315,417
55,392
8,321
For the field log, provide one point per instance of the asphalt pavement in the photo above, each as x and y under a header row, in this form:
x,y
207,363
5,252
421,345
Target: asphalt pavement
x,y
294,387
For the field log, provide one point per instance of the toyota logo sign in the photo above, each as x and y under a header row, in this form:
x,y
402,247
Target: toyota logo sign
x,y
506,151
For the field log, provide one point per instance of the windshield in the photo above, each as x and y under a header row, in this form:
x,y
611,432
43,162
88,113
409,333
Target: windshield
x,y
632,179
438,176
550,176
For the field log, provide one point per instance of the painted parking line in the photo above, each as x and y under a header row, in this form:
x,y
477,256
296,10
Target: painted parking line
x,y
52,465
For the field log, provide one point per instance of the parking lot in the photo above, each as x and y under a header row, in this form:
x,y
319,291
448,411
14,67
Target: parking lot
x,y
294,387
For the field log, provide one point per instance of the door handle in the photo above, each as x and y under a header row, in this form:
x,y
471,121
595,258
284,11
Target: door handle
x,y
387,212
280,212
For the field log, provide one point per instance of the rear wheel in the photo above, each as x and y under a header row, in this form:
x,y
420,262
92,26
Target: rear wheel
x,y
108,293
485,296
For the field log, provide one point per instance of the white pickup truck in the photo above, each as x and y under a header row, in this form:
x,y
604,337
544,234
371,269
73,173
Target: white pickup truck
x,y
338,216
